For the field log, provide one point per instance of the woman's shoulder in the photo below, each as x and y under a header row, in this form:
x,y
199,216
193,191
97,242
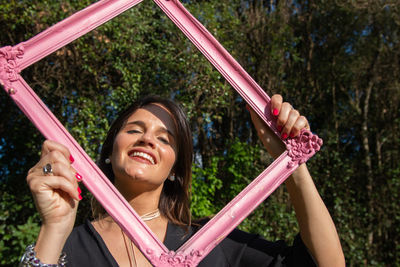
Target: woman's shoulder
x,y
82,232
81,237
241,248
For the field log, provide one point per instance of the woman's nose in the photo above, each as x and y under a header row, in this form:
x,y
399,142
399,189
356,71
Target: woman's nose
x,y
147,139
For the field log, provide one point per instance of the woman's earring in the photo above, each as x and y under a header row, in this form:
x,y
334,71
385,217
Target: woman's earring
x,y
171,177
107,161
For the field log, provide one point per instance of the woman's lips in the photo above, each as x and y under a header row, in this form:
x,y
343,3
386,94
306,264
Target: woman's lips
x,y
143,155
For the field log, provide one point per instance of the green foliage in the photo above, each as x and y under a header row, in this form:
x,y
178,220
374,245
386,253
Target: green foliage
x,y
88,124
204,185
239,167
17,228
274,219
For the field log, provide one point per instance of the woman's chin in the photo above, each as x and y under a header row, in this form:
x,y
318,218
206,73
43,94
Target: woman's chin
x,y
142,179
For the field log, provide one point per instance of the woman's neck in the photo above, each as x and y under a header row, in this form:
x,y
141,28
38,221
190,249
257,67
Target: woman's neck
x,y
144,203
142,200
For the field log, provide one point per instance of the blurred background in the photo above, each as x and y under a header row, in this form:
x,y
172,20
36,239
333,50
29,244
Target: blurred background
x,y
337,62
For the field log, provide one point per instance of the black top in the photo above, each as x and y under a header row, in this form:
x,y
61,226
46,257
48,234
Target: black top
x,y
85,247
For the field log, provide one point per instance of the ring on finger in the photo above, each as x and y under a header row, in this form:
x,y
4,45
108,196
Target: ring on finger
x,y
47,169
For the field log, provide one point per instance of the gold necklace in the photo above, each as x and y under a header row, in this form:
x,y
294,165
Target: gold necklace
x,y
127,250
145,217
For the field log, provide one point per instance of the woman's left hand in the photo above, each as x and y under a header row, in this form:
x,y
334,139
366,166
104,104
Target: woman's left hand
x,y
317,229
289,123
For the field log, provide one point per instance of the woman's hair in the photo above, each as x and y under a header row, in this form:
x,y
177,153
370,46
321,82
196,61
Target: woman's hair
x,y
175,195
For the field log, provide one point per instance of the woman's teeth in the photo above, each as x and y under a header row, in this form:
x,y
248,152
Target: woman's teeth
x,y
143,155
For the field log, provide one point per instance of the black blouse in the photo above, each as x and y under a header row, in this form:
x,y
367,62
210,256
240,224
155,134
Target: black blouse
x,y
85,247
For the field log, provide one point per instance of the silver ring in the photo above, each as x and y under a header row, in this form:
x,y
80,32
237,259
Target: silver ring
x,y
47,169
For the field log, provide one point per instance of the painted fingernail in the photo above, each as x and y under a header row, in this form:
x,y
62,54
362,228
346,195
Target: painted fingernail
x,y
247,107
79,191
78,177
71,159
275,112
284,135
291,135
279,128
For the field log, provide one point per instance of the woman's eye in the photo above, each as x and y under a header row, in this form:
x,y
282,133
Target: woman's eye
x,y
164,140
133,131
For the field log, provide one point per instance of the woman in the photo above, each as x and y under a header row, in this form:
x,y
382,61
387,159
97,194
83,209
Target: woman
x,y
148,155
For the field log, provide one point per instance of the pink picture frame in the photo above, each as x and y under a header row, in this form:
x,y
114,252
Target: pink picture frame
x,y
14,59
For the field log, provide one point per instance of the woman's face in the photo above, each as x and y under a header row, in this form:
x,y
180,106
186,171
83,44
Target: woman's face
x,y
144,150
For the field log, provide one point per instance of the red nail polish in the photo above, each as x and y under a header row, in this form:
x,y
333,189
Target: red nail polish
x,y
275,112
71,159
291,135
79,191
247,107
279,128
78,177
284,135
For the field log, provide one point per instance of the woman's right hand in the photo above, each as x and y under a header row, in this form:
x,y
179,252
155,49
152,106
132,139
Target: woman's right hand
x,y
56,194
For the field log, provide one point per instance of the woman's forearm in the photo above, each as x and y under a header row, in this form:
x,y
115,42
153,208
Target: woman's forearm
x,y
49,245
317,229
316,226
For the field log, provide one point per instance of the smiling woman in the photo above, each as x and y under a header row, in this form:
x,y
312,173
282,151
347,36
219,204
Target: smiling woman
x,y
148,156
174,197
148,143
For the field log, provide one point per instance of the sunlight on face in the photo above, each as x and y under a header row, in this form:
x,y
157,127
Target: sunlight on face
x,y
145,150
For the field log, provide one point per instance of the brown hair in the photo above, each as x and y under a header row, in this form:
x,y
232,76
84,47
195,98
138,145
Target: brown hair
x,y
175,196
